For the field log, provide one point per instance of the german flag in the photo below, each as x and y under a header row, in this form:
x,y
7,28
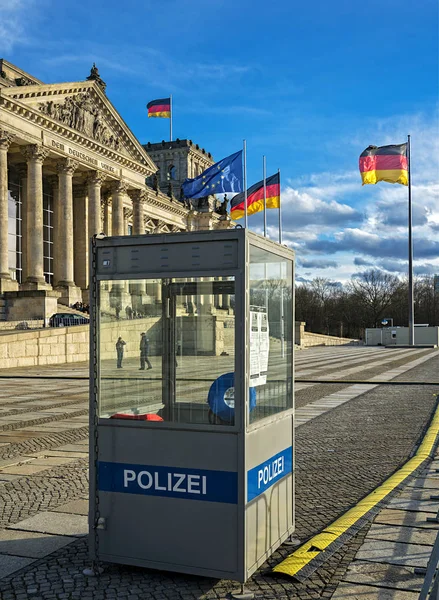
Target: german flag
x,y
384,163
159,108
255,198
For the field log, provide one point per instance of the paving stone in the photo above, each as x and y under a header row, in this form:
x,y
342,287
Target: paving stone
x,y
10,564
73,447
76,507
15,437
394,553
25,469
31,545
417,494
8,477
384,575
430,506
55,523
405,518
348,591
430,483
408,535
65,454
53,461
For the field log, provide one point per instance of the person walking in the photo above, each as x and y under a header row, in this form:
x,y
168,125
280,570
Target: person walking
x,y
119,351
144,351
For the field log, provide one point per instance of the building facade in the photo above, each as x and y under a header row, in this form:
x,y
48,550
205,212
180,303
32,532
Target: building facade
x,y
71,168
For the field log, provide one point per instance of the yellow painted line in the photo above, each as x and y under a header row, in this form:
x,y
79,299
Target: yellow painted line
x,y
304,555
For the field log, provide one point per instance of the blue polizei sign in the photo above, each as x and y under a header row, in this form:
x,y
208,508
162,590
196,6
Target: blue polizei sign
x,y
170,482
262,477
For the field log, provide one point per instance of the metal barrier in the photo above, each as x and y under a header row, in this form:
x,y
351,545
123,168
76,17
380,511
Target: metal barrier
x,y
431,573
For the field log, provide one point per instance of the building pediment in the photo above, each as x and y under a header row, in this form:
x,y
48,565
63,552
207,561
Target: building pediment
x,y
83,107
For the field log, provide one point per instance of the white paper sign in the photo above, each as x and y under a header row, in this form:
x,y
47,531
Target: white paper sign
x,y
259,347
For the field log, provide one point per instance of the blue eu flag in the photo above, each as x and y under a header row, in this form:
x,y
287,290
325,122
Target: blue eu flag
x,y
223,176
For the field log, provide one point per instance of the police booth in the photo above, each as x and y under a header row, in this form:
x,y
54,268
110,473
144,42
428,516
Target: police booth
x,y
192,401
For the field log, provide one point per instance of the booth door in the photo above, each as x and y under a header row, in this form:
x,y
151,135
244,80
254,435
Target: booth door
x,y
198,344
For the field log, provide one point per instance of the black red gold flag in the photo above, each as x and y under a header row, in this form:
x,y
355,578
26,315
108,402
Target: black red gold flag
x,y
384,163
159,108
255,198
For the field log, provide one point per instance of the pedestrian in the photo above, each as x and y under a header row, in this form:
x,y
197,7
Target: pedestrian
x,y
119,351
144,351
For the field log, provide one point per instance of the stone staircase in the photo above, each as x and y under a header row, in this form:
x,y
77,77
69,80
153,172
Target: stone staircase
x,y
62,308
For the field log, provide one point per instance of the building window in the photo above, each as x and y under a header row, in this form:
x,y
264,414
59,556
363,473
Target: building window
x,y
48,233
172,173
130,230
14,229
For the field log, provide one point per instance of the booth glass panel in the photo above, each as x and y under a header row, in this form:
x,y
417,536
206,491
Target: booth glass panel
x,y
270,331
129,308
204,342
163,346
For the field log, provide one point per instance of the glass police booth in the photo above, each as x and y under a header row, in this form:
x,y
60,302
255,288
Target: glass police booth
x,y
192,402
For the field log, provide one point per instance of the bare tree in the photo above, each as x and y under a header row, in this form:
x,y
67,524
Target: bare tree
x,y
374,292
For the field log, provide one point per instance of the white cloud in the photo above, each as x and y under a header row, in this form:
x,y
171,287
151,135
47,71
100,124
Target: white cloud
x,y
16,16
305,208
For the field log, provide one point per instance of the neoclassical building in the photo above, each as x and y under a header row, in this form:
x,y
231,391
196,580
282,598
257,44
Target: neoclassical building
x,y
70,168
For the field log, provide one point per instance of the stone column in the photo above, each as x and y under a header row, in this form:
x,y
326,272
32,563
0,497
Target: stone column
x,y
80,236
207,301
54,183
35,156
6,283
119,191
95,180
138,289
66,167
22,175
225,304
105,213
138,198
119,297
126,216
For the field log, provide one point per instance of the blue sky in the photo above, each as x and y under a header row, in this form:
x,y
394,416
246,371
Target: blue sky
x,y
310,85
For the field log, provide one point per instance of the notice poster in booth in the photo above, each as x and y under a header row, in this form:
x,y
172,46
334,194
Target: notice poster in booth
x,y
259,346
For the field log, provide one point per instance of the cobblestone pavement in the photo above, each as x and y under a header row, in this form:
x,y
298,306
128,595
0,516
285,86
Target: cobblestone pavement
x,y
340,456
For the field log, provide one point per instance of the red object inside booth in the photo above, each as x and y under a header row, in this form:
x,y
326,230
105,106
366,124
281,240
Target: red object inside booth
x,y
144,417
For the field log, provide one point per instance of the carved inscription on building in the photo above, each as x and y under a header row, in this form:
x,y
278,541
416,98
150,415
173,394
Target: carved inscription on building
x,y
78,154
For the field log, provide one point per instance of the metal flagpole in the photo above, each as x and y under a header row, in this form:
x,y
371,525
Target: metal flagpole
x,y
245,182
411,298
264,172
282,319
264,175
170,118
280,213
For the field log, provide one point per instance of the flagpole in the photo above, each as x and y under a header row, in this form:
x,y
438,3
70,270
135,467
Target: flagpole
x,y
282,319
264,175
280,213
411,295
264,171
245,182
170,118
